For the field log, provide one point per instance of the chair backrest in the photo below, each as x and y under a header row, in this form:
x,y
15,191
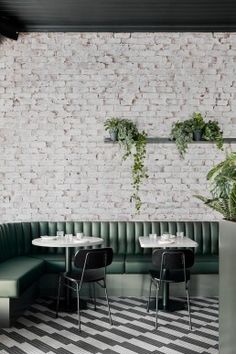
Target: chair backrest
x,y
93,258
173,259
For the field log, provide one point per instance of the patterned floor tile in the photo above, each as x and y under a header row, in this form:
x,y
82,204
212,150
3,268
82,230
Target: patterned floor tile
x,y
39,332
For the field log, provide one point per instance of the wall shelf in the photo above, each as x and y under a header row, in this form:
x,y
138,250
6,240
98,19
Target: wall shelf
x,y
156,140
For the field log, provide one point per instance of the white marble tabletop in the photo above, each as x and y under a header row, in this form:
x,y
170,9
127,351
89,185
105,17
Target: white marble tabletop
x,y
62,242
147,242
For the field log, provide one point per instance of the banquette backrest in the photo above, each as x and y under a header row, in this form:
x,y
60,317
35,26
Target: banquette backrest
x,y
15,238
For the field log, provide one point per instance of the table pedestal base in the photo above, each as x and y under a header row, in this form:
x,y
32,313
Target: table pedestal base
x,y
170,306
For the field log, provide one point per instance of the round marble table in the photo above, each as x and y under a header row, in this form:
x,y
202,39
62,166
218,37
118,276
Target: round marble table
x,y
68,245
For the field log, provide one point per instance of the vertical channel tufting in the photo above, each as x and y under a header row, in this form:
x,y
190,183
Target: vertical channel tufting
x,y
130,237
163,227
69,227
180,227
19,238
27,239
147,228
78,227
60,226
87,227
15,238
105,233
4,253
43,230
96,232
113,236
206,236
2,246
139,230
156,228
197,232
122,238
172,227
52,228
34,234
214,237
12,240
52,231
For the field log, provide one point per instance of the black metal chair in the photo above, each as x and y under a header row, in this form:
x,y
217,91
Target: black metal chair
x,y
91,266
172,266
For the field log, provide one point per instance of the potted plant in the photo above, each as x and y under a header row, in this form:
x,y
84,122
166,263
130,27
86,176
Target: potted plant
x,y
112,125
222,180
134,144
212,132
195,129
182,134
197,126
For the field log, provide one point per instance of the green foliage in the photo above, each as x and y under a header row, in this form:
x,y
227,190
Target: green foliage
x,y
182,132
197,121
222,178
212,132
134,144
112,124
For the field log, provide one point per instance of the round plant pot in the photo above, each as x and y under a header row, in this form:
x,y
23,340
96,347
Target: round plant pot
x,y
197,135
113,135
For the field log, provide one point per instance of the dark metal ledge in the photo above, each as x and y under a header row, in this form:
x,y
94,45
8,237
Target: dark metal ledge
x,y
156,140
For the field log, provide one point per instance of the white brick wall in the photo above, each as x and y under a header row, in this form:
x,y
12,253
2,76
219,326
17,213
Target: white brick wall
x,y
56,90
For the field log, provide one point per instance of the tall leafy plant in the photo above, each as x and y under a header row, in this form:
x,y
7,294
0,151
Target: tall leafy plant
x,y
222,178
134,144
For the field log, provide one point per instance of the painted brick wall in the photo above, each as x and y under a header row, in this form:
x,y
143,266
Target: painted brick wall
x,y
56,90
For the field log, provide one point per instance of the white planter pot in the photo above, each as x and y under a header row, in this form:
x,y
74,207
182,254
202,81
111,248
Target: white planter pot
x,y
227,287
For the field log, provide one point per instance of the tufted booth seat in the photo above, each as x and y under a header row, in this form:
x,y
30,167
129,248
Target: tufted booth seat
x,y
21,263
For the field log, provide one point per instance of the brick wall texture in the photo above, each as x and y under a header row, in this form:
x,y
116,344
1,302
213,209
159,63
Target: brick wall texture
x,y
56,91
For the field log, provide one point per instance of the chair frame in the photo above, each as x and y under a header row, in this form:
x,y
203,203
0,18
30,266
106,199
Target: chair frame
x,y
158,283
78,283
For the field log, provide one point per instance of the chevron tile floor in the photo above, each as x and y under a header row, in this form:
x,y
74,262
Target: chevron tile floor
x,y
38,332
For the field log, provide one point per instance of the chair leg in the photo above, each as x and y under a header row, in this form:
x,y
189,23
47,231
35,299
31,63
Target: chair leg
x,y
157,298
58,295
189,309
149,295
108,304
94,297
78,308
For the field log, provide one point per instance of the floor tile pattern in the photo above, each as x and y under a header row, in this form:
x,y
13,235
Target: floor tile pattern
x,y
38,332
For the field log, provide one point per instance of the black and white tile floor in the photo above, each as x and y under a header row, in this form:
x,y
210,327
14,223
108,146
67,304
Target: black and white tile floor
x,y
38,332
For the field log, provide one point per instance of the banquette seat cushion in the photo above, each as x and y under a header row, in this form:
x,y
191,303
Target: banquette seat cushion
x,y
17,274
21,263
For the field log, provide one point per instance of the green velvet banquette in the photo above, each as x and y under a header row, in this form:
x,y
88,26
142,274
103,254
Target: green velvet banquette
x,y
22,264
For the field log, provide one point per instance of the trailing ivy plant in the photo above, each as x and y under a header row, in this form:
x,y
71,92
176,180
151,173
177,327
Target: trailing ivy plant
x,y
182,133
195,129
212,132
134,144
222,178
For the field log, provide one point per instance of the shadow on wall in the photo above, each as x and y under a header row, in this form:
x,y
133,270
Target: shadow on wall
x,y
9,28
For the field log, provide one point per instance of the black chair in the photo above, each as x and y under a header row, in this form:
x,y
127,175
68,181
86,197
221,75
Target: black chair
x,y
172,266
91,266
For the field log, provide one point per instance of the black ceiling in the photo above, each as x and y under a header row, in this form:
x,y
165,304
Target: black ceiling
x,y
121,15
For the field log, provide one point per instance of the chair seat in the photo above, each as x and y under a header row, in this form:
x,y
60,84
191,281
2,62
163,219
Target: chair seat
x,y
173,276
89,276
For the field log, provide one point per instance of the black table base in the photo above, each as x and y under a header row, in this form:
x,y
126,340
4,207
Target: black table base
x,y
170,306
